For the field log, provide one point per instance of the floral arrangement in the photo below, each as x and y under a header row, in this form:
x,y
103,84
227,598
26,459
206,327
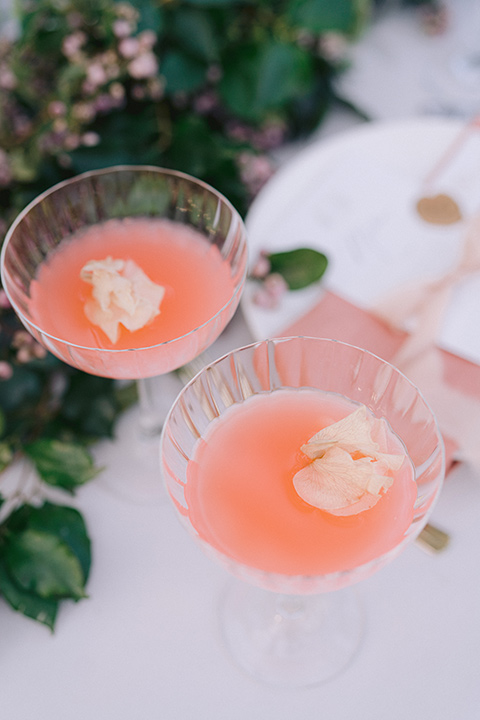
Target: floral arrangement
x,y
209,87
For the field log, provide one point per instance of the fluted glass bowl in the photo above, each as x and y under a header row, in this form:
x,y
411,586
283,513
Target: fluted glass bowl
x,y
287,607
116,193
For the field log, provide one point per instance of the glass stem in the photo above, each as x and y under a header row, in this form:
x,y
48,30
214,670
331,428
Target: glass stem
x,y
150,419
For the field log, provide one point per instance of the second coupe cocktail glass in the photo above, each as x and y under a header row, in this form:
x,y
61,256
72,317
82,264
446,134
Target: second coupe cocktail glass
x,y
184,235
231,448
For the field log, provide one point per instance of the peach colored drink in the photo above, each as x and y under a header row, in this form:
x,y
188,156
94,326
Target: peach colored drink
x,y
241,499
196,279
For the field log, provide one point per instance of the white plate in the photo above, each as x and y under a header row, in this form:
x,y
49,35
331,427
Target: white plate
x,y
353,197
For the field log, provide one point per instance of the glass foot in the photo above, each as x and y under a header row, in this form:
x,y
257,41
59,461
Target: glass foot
x,y
291,640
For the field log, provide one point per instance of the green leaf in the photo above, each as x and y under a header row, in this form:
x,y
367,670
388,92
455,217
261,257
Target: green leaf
x,y
261,79
300,267
90,404
182,73
6,455
151,15
43,610
23,387
68,525
194,148
40,563
62,464
324,15
127,138
195,31
217,3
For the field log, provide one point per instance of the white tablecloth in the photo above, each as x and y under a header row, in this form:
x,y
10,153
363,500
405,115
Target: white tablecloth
x,y
146,644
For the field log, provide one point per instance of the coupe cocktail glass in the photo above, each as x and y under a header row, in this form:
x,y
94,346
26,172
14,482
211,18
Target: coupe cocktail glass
x,y
294,620
125,194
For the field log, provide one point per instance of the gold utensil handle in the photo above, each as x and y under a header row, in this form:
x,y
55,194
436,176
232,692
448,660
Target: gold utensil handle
x,y
433,539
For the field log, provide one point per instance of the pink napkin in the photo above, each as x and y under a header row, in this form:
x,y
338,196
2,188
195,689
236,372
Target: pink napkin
x,y
450,383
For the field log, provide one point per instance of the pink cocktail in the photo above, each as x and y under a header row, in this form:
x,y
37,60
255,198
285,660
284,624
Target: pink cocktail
x,y
197,284
183,234
242,501
302,465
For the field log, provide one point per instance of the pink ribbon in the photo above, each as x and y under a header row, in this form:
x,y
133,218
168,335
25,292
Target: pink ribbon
x,y
425,304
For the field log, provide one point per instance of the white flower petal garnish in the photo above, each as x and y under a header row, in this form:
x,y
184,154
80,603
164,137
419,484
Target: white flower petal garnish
x,y
349,472
122,295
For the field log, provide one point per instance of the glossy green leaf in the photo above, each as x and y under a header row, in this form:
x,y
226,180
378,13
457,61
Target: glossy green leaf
x,y
300,267
182,73
261,79
63,464
90,403
129,138
324,15
39,562
195,32
43,610
68,525
151,15
23,387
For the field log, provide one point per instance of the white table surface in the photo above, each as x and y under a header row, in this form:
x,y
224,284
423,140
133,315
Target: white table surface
x,y
146,645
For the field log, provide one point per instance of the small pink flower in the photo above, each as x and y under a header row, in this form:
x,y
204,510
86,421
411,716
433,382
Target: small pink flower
x,y
6,370
27,347
73,43
147,39
262,267
96,75
333,46
4,301
270,137
83,111
143,66
90,139
206,102
270,292
39,351
71,141
104,103
435,20
117,91
276,285
121,28
57,108
8,81
139,92
255,170
156,88
129,47
5,170
60,125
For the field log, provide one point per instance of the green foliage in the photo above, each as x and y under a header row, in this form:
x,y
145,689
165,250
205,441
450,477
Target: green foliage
x,y
66,465
300,267
44,559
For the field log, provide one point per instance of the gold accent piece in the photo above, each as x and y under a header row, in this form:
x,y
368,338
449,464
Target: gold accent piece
x,y
439,209
433,539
